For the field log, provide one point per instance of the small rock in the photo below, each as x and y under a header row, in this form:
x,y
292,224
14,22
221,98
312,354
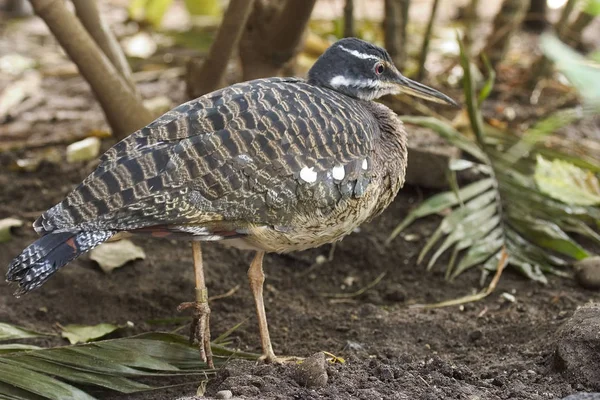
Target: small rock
x,y
83,150
429,156
583,396
588,272
312,372
224,394
578,346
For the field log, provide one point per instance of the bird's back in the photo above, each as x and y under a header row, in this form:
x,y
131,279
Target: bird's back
x,y
261,152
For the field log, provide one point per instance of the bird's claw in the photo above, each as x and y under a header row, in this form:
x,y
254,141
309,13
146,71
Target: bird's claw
x,y
200,329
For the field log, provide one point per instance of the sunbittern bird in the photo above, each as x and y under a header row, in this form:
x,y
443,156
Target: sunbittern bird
x,y
270,165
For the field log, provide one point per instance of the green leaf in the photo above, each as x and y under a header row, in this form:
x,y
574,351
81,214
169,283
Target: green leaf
x,y
469,90
39,384
152,11
566,182
472,228
549,235
489,83
541,130
11,332
86,333
582,73
480,252
456,217
204,7
118,383
440,202
15,347
592,7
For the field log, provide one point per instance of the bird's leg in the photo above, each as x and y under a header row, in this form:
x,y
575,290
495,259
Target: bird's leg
x,y
256,277
200,328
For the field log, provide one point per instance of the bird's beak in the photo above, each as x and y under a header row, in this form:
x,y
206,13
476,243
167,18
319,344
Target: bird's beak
x,y
413,88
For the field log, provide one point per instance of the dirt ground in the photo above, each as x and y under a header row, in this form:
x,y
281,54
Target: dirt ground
x,y
493,349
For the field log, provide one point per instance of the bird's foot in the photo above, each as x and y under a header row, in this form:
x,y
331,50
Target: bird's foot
x,y
200,329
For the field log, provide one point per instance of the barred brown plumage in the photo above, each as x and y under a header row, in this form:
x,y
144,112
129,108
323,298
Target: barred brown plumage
x,y
272,165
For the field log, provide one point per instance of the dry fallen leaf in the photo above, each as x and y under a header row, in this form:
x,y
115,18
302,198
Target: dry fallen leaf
x,y
18,91
82,333
113,255
6,225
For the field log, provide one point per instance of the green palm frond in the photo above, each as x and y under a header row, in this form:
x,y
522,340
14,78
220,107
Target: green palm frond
x,y
122,365
505,209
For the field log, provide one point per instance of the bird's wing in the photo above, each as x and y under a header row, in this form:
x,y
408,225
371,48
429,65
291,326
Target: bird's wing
x,y
257,152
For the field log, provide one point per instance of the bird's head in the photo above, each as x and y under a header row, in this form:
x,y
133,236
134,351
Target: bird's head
x,y
362,70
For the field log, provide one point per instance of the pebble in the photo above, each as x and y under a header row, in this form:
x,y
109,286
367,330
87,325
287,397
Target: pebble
x,y
312,373
587,272
224,394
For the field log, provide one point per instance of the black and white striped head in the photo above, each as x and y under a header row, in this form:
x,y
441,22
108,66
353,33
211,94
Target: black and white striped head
x,y
364,71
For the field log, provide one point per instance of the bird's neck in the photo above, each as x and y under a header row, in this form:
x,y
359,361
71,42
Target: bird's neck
x,y
392,153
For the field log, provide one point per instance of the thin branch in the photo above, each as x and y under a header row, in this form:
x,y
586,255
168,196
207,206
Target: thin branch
x,y
395,24
541,66
561,25
349,18
272,36
426,39
288,30
209,76
574,32
88,14
123,108
507,21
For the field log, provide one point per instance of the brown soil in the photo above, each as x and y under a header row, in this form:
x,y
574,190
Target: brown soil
x,y
494,349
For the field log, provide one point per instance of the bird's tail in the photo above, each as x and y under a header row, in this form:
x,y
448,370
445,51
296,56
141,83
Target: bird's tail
x,y
46,255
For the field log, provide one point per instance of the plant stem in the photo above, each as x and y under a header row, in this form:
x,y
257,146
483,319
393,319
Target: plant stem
x,y
208,76
395,24
272,36
507,21
123,108
426,39
349,18
87,12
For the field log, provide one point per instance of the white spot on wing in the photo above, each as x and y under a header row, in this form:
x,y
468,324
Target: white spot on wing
x,y
338,172
245,157
360,55
308,175
365,164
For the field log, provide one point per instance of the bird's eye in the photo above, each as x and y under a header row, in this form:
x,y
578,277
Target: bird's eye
x,y
379,68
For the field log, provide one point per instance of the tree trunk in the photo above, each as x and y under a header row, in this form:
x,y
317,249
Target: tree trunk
x,y
272,36
535,19
506,23
124,110
394,26
349,18
207,75
574,32
87,12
